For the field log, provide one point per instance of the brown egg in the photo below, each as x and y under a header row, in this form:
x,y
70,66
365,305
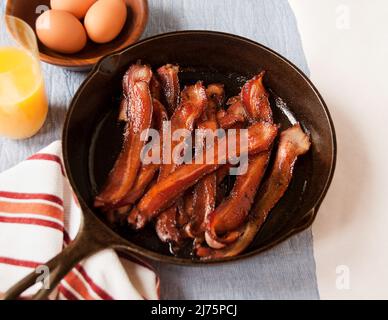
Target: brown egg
x,y
61,31
77,8
105,19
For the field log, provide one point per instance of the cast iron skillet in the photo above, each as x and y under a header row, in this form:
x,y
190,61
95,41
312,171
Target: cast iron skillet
x,y
92,139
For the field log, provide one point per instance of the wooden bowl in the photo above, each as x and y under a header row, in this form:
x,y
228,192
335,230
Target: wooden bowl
x,y
93,52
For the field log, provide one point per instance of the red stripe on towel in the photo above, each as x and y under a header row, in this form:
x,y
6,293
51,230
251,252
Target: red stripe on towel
x,y
48,157
20,263
75,282
31,196
66,293
32,221
96,288
41,209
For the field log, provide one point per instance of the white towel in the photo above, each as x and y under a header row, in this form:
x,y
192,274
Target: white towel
x,y
39,217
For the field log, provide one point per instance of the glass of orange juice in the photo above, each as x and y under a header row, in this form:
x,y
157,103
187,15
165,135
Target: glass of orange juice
x,y
23,101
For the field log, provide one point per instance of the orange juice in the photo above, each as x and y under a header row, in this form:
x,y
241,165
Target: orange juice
x,y
23,102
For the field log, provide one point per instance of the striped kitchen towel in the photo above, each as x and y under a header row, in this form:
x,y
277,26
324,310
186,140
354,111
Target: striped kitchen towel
x,y
39,217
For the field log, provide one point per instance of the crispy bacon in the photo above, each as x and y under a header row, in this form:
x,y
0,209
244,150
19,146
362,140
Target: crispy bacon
x,y
255,99
222,172
135,73
168,76
204,202
192,200
146,175
293,143
186,207
165,192
204,194
156,88
234,116
192,105
139,102
216,95
222,184
167,227
148,171
234,210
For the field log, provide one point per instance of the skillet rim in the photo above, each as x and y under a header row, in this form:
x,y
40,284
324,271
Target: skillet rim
x,y
305,222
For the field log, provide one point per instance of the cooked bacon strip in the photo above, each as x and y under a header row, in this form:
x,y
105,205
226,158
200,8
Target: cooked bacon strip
x,y
124,173
146,175
205,199
231,214
135,73
222,185
186,207
220,114
222,172
191,107
169,223
233,211
204,202
167,227
255,99
156,89
234,115
293,143
165,192
216,95
193,103
204,194
168,76
123,114
148,171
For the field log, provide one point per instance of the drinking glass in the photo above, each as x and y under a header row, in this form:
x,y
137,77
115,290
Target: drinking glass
x,y
23,101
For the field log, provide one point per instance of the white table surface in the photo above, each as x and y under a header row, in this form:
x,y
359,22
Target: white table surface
x,y
346,46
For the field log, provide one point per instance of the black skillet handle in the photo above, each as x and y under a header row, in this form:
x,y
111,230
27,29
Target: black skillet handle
x,y
91,238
